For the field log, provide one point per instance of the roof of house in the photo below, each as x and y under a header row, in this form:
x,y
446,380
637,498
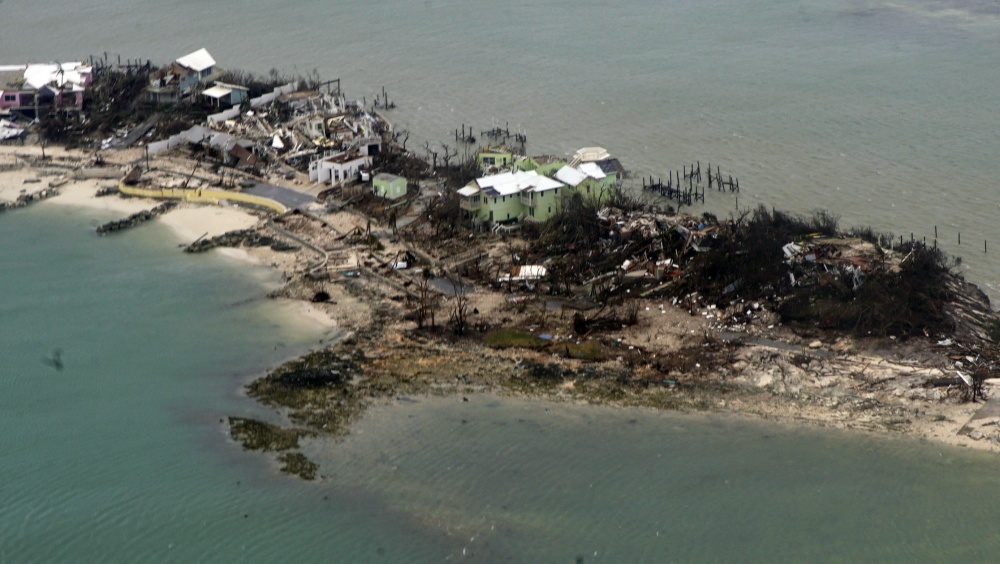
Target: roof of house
x,y
58,74
76,75
197,61
342,158
468,191
547,159
611,166
217,92
507,183
571,176
500,149
494,179
592,170
197,134
387,177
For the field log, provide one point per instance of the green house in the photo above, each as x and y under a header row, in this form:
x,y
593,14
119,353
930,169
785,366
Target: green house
x,y
389,186
510,197
500,157
544,165
613,171
588,180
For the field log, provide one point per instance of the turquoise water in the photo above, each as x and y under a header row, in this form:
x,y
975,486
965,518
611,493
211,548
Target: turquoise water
x,y
884,112
542,482
121,456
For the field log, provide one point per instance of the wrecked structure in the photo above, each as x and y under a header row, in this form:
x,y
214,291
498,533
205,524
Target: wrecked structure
x,y
182,78
32,89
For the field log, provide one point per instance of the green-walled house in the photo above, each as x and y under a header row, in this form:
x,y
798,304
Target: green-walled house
x,y
389,186
500,157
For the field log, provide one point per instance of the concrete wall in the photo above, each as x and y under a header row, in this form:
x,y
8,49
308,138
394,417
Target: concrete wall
x,y
201,195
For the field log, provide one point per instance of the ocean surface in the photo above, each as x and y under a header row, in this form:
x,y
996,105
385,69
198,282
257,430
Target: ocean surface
x,y
883,112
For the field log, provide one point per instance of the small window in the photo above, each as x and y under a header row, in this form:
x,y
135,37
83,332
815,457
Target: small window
x,y
9,97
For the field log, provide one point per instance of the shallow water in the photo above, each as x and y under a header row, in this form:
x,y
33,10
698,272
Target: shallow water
x,y
543,482
121,454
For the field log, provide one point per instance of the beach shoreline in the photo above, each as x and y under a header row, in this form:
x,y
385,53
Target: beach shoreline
x,y
774,376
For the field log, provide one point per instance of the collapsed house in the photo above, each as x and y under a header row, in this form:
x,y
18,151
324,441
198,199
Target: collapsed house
x,y
33,89
182,78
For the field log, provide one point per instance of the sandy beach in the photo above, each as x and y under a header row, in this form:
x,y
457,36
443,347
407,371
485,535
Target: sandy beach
x,y
775,384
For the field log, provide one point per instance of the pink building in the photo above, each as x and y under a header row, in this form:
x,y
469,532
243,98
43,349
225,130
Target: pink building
x,y
25,88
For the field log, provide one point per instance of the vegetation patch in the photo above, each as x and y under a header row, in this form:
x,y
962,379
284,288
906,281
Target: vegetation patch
x,y
590,350
510,338
297,464
257,435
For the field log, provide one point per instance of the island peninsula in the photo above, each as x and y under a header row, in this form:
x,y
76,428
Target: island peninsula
x,y
471,266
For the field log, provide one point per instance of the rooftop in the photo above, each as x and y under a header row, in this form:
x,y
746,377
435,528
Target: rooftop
x,y
592,170
507,183
197,61
217,91
76,75
571,176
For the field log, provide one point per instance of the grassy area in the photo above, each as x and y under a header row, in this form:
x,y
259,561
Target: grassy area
x,y
509,338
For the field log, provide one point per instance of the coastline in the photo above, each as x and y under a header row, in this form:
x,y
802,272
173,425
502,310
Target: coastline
x,y
379,355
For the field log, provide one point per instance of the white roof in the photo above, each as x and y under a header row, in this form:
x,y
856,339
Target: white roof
x,y
38,75
571,176
468,191
217,91
493,180
545,183
197,61
592,170
522,181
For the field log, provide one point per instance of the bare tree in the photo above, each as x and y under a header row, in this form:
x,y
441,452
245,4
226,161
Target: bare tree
x,y
449,154
399,134
459,318
433,155
425,300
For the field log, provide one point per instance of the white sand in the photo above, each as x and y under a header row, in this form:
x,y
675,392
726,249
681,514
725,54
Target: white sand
x,y
190,222
12,183
81,194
